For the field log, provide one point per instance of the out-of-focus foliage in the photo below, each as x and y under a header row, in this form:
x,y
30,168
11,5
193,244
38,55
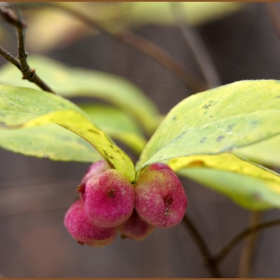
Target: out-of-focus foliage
x,y
117,124
195,13
56,28
75,82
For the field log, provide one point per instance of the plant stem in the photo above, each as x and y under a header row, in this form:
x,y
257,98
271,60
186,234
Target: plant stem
x,y
239,237
208,258
160,56
22,55
249,247
198,48
138,42
10,58
18,22
274,14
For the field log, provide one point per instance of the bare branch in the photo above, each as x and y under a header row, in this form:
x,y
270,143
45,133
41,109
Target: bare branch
x,y
161,56
14,17
274,13
10,58
227,248
22,55
9,16
249,248
198,48
208,258
136,41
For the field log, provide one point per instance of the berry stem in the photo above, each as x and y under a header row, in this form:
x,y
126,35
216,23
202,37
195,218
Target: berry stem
x,y
208,257
247,253
243,234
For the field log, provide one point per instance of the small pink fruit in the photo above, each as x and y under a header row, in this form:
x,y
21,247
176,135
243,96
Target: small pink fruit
x,y
109,198
94,169
135,227
160,198
82,228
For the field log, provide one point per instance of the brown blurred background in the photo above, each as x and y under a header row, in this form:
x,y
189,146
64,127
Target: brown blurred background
x,y
35,193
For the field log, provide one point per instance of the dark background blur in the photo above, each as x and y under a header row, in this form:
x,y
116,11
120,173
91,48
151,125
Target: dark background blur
x,y
35,193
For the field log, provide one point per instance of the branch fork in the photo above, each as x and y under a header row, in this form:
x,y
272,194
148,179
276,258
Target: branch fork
x,y
12,15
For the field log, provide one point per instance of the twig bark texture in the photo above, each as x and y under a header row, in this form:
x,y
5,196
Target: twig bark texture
x,y
12,15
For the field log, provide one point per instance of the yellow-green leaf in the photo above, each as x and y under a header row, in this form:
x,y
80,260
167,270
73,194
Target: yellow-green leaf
x,y
216,121
23,107
71,82
266,152
49,141
83,127
19,105
250,185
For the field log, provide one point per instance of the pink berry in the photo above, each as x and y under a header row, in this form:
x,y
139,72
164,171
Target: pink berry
x,y
94,169
160,198
82,228
135,227
109,198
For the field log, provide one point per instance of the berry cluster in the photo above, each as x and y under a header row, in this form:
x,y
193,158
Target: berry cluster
x,y
109,203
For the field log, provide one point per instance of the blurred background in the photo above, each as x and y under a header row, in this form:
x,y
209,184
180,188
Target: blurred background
x,y
35,193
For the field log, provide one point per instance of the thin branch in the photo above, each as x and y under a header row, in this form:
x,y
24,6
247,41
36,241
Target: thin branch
x,y
274,14
249,247
227,248
208,258
22,55
10,58
8,15
136,41
197,47
160,56
14,17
